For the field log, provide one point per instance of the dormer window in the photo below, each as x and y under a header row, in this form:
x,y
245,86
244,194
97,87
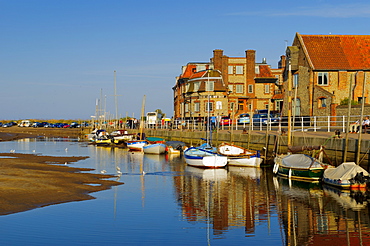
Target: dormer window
x,y
196,86
210,85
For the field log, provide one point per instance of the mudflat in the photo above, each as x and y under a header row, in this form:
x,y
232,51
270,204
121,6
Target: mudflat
x,y
29,181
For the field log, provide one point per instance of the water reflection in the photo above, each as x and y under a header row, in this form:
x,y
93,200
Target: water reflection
x,y
313,215
235,205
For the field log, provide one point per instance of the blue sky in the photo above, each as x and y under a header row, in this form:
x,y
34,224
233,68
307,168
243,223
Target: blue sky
x,y
58,57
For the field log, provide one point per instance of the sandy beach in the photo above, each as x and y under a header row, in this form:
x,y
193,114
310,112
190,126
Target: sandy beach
x,y
29,181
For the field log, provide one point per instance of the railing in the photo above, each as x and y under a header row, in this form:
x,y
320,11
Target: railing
x,y
304,123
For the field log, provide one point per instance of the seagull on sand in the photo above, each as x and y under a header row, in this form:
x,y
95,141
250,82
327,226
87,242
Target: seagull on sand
x,y
103,171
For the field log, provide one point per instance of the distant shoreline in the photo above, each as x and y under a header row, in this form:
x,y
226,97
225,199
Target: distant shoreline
x,y
14,132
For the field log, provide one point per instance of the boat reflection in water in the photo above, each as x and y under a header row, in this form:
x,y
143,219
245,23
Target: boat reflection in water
x,y
315,215
226,198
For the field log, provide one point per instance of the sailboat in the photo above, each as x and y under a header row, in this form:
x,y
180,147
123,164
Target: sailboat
x,y
239,156
301,166
137,145
205,155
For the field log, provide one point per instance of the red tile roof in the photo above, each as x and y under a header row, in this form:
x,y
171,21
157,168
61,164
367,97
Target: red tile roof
x,y
265,72
337,52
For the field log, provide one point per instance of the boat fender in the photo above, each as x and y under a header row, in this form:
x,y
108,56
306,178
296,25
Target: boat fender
x,y
258,154
276,168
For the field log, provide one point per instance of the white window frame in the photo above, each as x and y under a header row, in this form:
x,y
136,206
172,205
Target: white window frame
x,y
196,86
267,89
239,88
218,105
210,85
186,107
250,88
239,69
323,78
230,70
196,107
209,106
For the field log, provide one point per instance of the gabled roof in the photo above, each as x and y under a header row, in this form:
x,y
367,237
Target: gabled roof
x,y
337,52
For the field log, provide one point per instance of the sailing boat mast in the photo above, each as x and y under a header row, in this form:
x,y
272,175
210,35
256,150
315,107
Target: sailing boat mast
x,y
348,119
115,95
142,117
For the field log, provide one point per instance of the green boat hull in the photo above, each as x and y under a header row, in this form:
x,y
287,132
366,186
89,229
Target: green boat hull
x,y
312,174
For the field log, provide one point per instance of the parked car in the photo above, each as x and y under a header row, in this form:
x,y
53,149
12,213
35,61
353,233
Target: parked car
x,y
263,119
37,124
225,121
9,124
243,119
48,125
74,125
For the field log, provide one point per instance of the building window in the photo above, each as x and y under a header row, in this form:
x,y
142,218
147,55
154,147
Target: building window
x,y
196,107
250,107
209,106
295,80
360,100
267,89
196,86
231,88
230,70
186,108
239,88
187,87
239,69
322,78
322,102
241,105
218,105
250,88
210,85
257,69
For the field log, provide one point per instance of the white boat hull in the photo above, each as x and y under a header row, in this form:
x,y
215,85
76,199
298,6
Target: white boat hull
x,y
154,149
136,145
214,161
244,161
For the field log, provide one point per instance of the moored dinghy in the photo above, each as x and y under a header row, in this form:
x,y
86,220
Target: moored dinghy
x,y
156,148
347,175
204,156
136,145
239,156
301,166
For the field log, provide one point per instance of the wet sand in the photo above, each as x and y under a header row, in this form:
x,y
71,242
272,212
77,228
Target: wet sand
x,y
30,181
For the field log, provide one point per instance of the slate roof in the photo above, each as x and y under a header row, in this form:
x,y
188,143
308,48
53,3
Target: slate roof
x,y
337,52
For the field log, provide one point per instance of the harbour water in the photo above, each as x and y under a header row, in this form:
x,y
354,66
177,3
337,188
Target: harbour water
x,y
165,202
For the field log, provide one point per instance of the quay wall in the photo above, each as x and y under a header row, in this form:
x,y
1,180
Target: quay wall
x,y
334,146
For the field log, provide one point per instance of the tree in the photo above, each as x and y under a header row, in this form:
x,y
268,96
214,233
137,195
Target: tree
x,y
160,114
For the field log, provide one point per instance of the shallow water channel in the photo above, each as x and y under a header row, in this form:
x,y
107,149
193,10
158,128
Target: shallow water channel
x,y
165,202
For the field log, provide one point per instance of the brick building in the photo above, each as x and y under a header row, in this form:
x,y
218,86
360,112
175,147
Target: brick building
x,y
240,86
321,69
